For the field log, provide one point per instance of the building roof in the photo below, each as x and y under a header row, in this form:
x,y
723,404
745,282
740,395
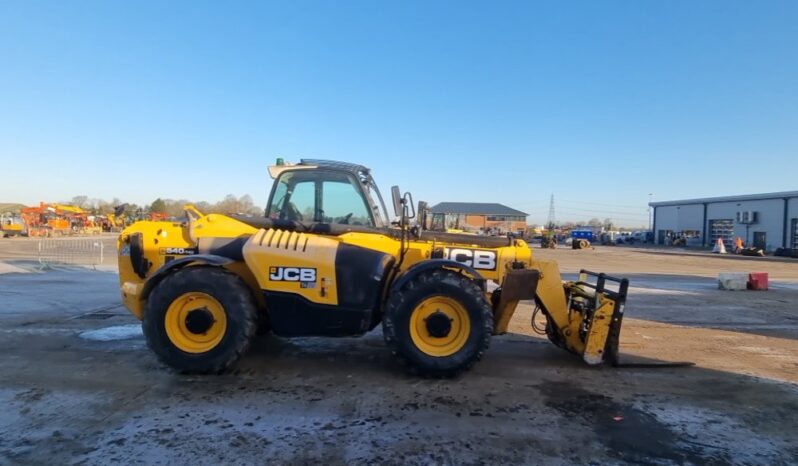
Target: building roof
x,y
744,197
474,208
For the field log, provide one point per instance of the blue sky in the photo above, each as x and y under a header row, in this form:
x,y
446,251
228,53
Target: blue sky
x,y
598,103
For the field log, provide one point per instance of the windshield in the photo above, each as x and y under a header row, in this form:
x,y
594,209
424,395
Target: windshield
x,y
319,196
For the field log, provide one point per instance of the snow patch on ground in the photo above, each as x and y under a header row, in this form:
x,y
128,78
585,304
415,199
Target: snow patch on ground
x,y
32,266
8,268
783,285
292,432
660,291
117,332
38,331
709,431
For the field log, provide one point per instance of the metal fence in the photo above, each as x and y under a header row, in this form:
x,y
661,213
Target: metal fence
x,y
70,251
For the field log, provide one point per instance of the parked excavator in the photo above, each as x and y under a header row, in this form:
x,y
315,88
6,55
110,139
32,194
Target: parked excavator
x,y
328,260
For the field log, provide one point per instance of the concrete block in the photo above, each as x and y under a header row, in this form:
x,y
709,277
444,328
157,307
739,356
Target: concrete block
x,y
733,281
758,281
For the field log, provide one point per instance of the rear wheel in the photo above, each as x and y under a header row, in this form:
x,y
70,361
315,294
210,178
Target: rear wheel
x,y
200,319
439,323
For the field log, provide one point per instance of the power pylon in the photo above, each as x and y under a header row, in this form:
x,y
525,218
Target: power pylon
x,y
552,220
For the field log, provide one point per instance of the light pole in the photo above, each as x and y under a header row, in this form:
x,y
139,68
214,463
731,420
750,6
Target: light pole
x,y
650,196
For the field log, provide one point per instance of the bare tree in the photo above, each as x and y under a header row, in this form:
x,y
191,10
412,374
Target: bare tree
x,y
80,201
236,205
594,222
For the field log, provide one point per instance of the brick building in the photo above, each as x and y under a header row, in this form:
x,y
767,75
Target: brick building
x,y
489,218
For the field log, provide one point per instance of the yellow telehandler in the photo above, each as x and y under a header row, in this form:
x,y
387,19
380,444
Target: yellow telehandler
x,y
327,260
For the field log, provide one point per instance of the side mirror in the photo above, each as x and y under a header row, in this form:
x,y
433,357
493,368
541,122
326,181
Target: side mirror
x,y
397,200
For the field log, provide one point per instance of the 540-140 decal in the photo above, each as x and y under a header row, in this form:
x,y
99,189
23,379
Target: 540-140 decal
x,y
178,251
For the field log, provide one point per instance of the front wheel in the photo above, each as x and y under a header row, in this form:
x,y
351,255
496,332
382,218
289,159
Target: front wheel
x,y
439,323
200,319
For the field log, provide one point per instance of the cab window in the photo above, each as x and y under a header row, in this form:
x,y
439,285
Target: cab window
x,y
343,204
319,196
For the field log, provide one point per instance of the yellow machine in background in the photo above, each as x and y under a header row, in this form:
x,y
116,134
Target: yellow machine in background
x,y
327,260
116,222
11,225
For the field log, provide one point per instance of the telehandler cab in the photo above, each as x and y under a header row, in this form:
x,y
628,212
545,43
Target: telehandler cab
x,y
327,260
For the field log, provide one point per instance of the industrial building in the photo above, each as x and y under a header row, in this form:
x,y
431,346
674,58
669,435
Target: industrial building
x,y
768,221
489,218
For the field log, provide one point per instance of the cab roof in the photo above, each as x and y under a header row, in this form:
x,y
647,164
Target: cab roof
x,y
345,166
355,169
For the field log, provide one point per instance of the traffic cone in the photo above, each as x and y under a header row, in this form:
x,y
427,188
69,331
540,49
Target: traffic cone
x,y
719,248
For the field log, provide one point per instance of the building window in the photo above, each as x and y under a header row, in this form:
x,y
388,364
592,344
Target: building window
x,y
795,233
505,218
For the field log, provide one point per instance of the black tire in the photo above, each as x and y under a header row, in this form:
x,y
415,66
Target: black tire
x,y
239,309
402,303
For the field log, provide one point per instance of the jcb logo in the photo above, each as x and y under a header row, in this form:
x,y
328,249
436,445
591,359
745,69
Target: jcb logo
x,y
479,259
292,274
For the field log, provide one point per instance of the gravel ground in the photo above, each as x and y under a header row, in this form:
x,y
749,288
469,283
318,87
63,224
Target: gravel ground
x,y
80,386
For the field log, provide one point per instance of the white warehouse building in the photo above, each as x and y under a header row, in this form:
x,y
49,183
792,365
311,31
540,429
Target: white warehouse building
x,y
768,221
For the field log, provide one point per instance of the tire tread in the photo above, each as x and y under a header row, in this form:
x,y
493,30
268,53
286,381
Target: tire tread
x,y
232,288
396,307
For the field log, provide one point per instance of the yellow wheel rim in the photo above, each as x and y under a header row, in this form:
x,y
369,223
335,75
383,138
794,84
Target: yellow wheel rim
x,y
439,345
195,322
